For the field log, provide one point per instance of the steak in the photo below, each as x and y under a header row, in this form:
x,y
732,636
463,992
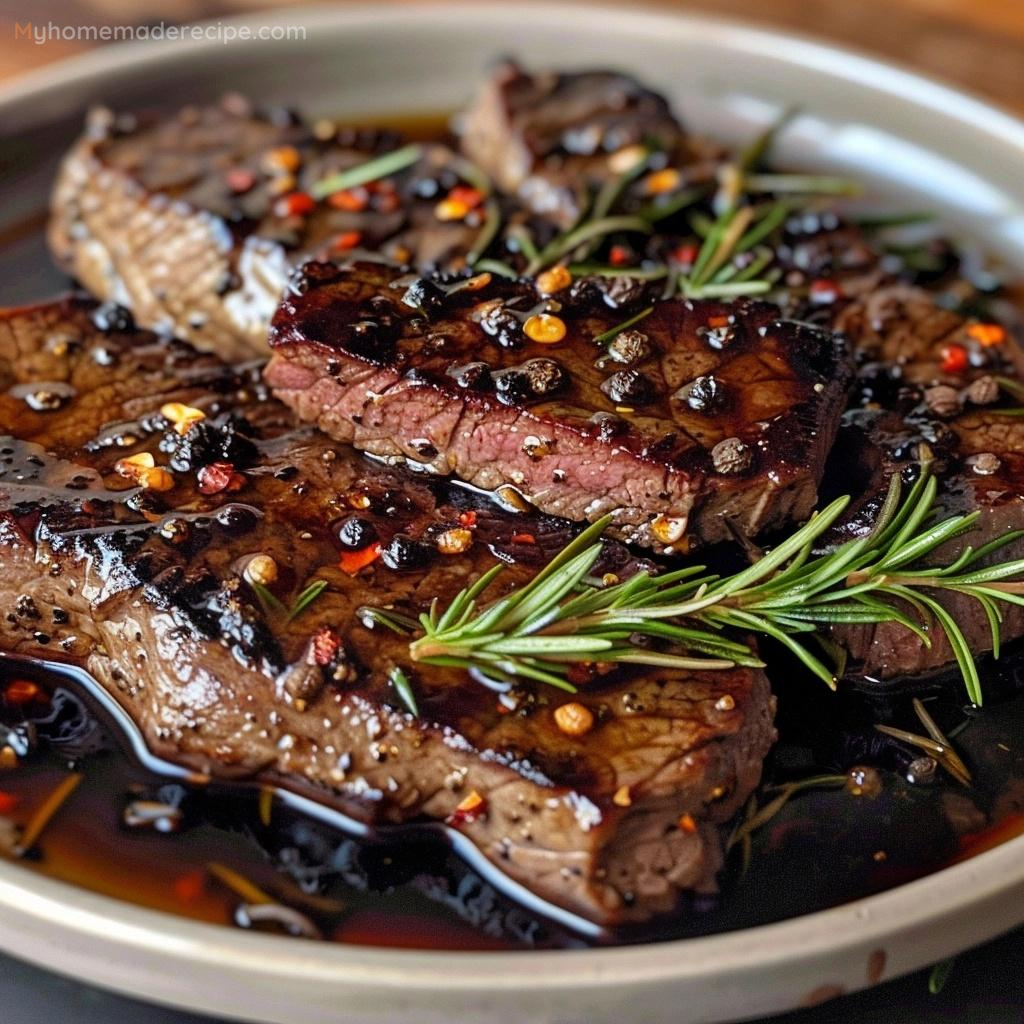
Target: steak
x,y
903,338
547,138
926,378
979,460
194,221
702,416
141,573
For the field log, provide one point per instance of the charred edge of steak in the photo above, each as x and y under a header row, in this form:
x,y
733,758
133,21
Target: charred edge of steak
x,y
708,411
192,220
146,589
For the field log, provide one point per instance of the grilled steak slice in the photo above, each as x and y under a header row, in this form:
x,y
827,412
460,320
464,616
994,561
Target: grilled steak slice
x,y
903,338
979,459
546,138
146,588
928,375
703,412
194,221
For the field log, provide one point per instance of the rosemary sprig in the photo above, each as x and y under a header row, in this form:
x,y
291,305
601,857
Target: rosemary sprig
x,y
589,230
691,619
306,597
811,184
276,606
737,230
935,744
758,816
372,170
613,332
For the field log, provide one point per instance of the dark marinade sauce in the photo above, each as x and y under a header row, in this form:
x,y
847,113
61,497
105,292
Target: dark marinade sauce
x,y
825,847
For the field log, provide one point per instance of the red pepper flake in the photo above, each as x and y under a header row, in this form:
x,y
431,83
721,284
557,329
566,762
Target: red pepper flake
x,y
523,538
240,180
684,255
346,240
188,888
619,255
467,195
467,519
219,476
352,200
954,359
352,561
825,291
23,691
295,204
687,824
8,802
324,646
988,335
471,808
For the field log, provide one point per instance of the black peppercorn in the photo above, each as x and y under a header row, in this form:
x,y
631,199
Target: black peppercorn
x,y
356,533
629,387
406,553
112,317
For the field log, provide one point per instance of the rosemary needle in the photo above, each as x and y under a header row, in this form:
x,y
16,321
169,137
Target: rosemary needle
x,y
691,619
372,170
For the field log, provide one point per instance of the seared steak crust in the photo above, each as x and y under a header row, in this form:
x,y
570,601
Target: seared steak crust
x,y
547,138
719,412
186,220
146,588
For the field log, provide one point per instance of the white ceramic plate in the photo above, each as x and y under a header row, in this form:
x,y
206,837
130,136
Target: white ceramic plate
x,y
918,141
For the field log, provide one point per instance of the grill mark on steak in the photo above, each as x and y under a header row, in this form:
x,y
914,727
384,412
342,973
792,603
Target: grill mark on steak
x,y
144,589
145,214
902,338
352,356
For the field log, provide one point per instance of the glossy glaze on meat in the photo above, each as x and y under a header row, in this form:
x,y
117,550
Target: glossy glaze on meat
x,y
147,590
725,412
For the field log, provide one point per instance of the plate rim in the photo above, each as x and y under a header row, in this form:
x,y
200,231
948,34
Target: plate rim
x,y
917,907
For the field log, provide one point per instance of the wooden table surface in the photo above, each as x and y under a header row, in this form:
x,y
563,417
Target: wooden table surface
x,y
978,44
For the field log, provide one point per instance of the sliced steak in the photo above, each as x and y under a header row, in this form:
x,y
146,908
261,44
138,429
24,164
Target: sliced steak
x,y
903,338
928,375
547,138
979,460
702,412
142,580
194,221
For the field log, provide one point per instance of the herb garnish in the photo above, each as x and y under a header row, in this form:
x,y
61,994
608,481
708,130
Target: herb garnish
x,y
613,332
372,170
400,681
560,618
303,600
756,817
940,975
935,744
